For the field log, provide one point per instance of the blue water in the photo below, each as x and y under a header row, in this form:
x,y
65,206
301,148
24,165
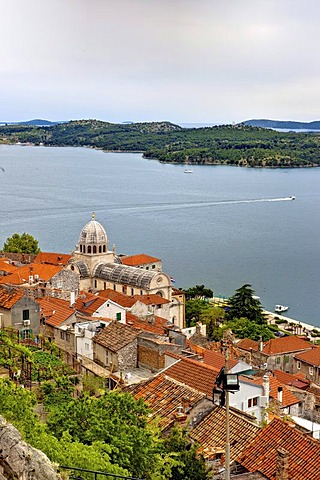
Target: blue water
x,y
222,226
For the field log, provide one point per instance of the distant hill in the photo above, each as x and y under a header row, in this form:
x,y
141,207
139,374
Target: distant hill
x,y
37,123
263,123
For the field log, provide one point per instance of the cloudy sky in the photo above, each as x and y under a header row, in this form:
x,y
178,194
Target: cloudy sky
x,y
217,61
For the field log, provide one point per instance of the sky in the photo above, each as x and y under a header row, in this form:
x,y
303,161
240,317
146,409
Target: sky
x,y
197,61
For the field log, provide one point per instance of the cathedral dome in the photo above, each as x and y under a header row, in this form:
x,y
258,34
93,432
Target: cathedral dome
x,y
93,238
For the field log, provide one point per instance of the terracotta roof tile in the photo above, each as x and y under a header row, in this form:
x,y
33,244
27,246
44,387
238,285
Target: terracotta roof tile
x,y
195,374
52,258
151,299
311,356
210,433
140,259
116,336
7,267
55,310
117,297
248,344
296,380
304,452
164,395
21,275
217,360
157,327
288,398
9,297
287,344
89,305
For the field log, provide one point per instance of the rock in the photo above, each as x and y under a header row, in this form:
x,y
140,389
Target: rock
x,y
20,461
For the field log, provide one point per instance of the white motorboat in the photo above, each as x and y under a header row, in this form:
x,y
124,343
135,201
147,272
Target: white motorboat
x,y
188,170
292,198
280,308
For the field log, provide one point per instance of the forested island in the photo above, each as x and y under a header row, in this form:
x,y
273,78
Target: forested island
x,y
239,145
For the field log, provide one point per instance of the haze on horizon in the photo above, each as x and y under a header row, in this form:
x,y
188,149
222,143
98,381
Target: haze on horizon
x,y
146,60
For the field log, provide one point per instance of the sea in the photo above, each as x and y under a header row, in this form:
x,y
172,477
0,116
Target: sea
x,y
220,226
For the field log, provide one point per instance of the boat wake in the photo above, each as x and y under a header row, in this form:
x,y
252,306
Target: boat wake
x,y
175,206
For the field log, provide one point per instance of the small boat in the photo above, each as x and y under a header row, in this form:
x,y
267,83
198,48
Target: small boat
x,y
187,170
292,198
280,308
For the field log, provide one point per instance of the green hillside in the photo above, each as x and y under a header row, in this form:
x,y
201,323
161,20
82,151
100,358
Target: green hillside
x,y
231,145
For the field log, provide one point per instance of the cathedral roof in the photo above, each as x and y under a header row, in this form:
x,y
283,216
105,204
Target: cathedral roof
x,y
124,275
93,233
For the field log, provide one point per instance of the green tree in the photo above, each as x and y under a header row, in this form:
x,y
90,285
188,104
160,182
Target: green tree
x,y
194,311
24,243
244,328
213,317
244,304
190,465
199,291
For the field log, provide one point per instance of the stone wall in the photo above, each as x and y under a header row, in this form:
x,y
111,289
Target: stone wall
x,y
20,461
151,352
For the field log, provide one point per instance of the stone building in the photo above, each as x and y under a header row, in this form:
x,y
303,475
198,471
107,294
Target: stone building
x,y
19,311
100,268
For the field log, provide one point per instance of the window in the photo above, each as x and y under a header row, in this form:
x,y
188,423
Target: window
x,y
95,284
286,358
84,249
62,335
118,316
132,291
68,337
104,285
310,370
278,360
80,248
147,268
89,249
298,365
153,266
26,333
104,249
114,287
100,249
252,402
94,249
86,346
124,289
25,315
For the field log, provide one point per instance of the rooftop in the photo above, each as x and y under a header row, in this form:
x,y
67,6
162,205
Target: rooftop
x,y
287,344
210,433
21,275
116,336
139,259
52,258
312,357
9,297
55,310
303,450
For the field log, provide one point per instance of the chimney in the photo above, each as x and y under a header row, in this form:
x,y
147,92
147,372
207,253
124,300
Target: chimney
x,y
282,468
72,298
260,344
266,385
280,394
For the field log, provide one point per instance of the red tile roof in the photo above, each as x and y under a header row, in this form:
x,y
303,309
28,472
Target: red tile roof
x,y
151,299
296,380
90,304
248,344
217,360
116,336
311,357
140,259
9,297
304,452
210,433
21,275
287,344
55,310
195,374
164,395
157,327
7,267
52,258
288,398
117,297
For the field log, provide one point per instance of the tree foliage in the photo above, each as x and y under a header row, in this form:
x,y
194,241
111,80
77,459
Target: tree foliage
x,y
199,291
24,243
244,328
244,304
194,311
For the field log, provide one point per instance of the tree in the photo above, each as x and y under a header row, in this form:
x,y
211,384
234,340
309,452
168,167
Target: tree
x,y
199,291
244,328
244,304
190,465
194,310
213,317
24,243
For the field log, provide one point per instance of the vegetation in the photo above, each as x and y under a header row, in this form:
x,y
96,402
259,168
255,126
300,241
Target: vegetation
x,y
24,243
240,145
244,304
199,291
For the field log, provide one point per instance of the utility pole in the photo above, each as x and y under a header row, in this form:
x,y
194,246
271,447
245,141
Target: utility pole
x,y
227,460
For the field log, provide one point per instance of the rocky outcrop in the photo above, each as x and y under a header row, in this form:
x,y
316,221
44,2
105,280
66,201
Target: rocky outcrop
x,y
20,461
